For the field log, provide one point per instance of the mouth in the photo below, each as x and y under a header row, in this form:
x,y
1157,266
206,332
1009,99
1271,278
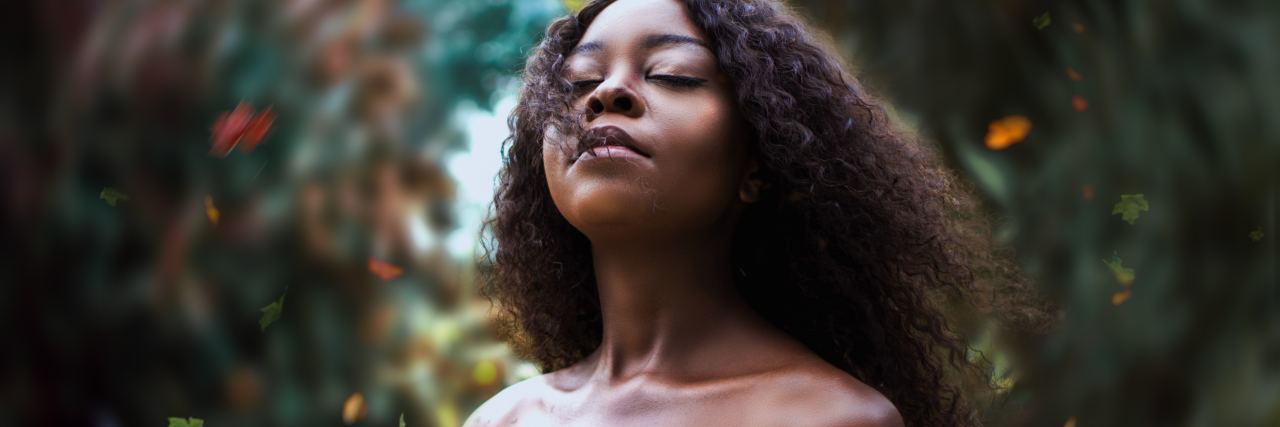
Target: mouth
x,y
607,142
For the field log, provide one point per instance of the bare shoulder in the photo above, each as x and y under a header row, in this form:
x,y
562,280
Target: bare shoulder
x,y
818,394
499,409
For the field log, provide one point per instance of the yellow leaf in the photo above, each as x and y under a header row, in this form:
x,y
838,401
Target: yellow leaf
x,y
447,415
574,5
484,372
210,210
1007,131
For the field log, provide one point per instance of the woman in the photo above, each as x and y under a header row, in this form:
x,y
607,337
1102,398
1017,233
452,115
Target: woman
x,y
703,220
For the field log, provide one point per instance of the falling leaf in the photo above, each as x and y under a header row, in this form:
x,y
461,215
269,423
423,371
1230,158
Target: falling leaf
x,y
383,270
211,211
1087,192
402,419
1073,75
1077,27
485,372
112,195
1071,422
1079,103
271,312
240,127
1007,131
257,129
447,414
574,5
1123,275
1042,21
1129,206
1120,297
354,409
1256,234
188,422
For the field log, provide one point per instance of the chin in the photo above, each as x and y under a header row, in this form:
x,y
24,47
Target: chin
x,y
607,210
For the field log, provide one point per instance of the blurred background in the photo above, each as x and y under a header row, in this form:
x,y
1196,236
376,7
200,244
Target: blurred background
x,y
266,213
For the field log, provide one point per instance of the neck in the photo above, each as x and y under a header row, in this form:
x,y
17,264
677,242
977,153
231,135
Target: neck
x,y
660,303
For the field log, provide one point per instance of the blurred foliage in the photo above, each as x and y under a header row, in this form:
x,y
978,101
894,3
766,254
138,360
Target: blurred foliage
x,y
145,277
1179,104
173,168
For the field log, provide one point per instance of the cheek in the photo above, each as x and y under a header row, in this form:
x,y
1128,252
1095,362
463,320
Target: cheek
x,y
706,156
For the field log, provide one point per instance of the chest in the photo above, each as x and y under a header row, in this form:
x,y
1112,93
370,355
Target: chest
x,y
734,406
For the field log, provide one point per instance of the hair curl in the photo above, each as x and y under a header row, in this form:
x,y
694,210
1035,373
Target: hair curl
x,y
861,226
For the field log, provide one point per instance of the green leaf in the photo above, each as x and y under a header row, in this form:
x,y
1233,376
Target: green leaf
x,y
189,422
112,195
1256,234
1129,206
1042,21
1123,275
402,419
271,312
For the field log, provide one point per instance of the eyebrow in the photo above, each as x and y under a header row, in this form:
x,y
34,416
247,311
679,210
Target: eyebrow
x,y
650,42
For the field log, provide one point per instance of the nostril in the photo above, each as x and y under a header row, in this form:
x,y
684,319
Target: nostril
x,y
596,106
623,103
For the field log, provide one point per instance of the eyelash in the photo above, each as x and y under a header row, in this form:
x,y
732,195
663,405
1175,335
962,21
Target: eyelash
x,y
678,81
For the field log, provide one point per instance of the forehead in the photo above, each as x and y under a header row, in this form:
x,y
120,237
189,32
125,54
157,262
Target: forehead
x,y
628,21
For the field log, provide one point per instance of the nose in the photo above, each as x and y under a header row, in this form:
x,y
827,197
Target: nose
x,y
614,96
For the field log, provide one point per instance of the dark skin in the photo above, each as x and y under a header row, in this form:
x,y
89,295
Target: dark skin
x,y
680,346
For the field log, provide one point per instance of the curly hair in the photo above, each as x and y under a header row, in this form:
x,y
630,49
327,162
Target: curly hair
x,y
863,247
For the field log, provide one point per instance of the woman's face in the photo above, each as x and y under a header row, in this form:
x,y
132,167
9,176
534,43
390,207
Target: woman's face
x,y
663,150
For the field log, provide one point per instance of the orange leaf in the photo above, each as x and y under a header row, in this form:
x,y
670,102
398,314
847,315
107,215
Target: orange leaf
x,y
1073,75
1077,27
1087,192
1120,297
354,409
1071,422
1079,103
384,270
1007,131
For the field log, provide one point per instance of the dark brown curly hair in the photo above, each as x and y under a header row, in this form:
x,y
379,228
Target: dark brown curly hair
x,y
864,247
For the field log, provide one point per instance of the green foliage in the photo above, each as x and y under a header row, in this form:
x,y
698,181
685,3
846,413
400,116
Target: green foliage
x,y
1129,207
1256,234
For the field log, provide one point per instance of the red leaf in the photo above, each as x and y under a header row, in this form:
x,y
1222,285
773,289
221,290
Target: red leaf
x,y
384,270
258,128
240,126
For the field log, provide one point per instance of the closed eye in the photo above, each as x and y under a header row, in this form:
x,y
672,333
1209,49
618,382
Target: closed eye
x,y
678,81
581,85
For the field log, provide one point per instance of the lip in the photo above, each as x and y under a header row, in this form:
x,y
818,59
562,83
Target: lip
x,y
609,142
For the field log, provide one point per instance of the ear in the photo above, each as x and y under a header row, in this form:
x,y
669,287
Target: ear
x,y
752,185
